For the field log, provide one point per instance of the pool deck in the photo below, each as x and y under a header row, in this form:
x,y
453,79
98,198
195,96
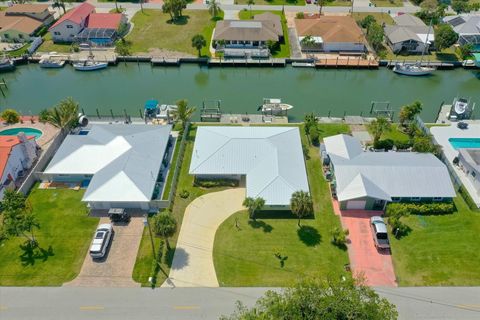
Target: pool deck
x,y
441,135
48,131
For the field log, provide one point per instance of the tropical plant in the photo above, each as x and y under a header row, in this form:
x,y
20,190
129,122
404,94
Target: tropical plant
x,y
409,111
310,121
198,42
174,8
253,205
460,6
64,115
329,298
184,113
375,35
250,3
314,136
465,50
320,4
43,115
123,47
307,42
339,236
10,116
378,127
59,4
367,21
164,226
214,8
445,36
301,204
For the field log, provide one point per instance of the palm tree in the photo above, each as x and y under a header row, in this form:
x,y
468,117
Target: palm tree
x,y
214,8
250,4
64,115
165,226
301,204
378,127
253,205
184,113
198,42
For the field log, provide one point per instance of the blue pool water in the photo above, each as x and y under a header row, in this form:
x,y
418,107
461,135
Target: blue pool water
x,y
28,131
459,143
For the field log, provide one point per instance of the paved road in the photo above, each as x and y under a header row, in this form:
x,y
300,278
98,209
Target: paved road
x,y
206,303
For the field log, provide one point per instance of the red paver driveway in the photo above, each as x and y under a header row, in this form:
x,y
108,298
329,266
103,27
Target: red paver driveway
x,y
376,265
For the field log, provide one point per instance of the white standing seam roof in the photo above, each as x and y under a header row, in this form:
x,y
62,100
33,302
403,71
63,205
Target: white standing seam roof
x,y
270,157
124,160
384,175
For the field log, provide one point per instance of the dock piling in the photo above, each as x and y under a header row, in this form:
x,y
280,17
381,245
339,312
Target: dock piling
x,y
111,112
98,114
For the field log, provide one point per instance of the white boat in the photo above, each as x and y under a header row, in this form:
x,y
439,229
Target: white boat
x,y
89,65
412,69
51,63
461,109
6,64
303,64
274,106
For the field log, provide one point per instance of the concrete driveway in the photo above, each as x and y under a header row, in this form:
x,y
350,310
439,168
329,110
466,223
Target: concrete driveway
x,y
192,264
115,270
375,265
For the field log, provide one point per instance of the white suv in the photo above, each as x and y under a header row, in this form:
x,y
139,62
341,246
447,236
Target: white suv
x,y
101,240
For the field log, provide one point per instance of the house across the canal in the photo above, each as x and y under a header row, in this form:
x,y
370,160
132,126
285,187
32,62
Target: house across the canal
x,y
369,180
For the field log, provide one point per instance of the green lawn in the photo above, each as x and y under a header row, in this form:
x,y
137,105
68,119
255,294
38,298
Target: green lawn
x,y
246,256
284,51
143,264
49,46
379,17
64,235
153,31
440,250
446,55
387,3
274,2
395,134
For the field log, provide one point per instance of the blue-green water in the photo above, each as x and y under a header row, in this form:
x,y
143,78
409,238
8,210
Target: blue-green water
x,y
28,131
127,87
459,143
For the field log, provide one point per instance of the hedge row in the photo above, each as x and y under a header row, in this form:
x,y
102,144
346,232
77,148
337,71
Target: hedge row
x,y
433,208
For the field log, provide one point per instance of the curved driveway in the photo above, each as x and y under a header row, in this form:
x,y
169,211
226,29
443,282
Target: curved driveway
x,y
192,264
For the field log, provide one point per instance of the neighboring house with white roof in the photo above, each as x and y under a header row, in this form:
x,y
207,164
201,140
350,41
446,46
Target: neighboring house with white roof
x,y
269,158
123,166
469,159
369,180
409,34
467,26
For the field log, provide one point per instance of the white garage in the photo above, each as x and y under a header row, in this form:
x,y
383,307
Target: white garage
x,y
356,204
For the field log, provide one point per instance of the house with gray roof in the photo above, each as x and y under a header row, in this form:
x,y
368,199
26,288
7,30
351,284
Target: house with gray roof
x,y
469,159
370,180
121,166
409,35
467,26
269,159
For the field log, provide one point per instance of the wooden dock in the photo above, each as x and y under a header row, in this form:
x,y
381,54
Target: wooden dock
x,y
248,62
349,63
247,119
157,61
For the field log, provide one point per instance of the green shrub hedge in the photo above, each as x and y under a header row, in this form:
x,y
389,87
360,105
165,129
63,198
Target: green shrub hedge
x,y
434,208
468,200
216,183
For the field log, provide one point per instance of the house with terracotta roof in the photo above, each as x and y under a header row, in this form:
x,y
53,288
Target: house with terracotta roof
x,y
331,34
17,155
71,23
19,23
102,29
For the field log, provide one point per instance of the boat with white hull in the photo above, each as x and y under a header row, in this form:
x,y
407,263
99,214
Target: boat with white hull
x,y
51,63
412,69
274,106
89,65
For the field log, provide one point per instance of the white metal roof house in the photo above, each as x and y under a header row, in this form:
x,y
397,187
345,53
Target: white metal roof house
x,y
409,34
467,26
270,158
368,180
120,163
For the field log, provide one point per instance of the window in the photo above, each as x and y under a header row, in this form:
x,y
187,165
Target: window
x,y
395,199
437,198
56,33
415,198
69,26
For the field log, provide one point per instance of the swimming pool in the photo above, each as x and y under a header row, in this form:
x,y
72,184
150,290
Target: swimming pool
x,y
459,143
28,131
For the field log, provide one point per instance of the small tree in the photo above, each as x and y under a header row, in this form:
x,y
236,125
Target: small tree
x,y
314,136
43,115
367,21
174,8
310,121
214,8
301,204
339,236
165,226
64,115
445,36
408,112
10,116
465,50
253,205
123,47
250,3
307,42
460,6
198,42
378,127
184,113
375,35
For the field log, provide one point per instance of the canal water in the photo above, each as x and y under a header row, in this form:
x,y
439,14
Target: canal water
x,y
128,86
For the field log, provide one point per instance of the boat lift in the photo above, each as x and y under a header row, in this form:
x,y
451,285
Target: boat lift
x,y
382,109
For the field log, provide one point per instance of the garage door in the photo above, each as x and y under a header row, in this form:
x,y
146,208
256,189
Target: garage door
x,y
356,204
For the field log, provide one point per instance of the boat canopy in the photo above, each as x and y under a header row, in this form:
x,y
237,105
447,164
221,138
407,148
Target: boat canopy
x,y
151,104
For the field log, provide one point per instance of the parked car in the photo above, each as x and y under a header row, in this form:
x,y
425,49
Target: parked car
x,y
118,215
101,240
379,231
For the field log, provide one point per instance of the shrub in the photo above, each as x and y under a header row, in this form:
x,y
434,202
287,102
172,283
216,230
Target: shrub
x,y
434,208
386,144
216,183
43,115
339,236
10,116
399,229
314,136
402,144
300,15
184,194
156,264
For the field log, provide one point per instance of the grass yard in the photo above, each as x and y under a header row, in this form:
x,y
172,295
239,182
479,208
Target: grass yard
x,y
395,134
448,54
246,256
379,17
284,51
49,46
144,261
440,250
387,3
274,2
152,31
64,235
